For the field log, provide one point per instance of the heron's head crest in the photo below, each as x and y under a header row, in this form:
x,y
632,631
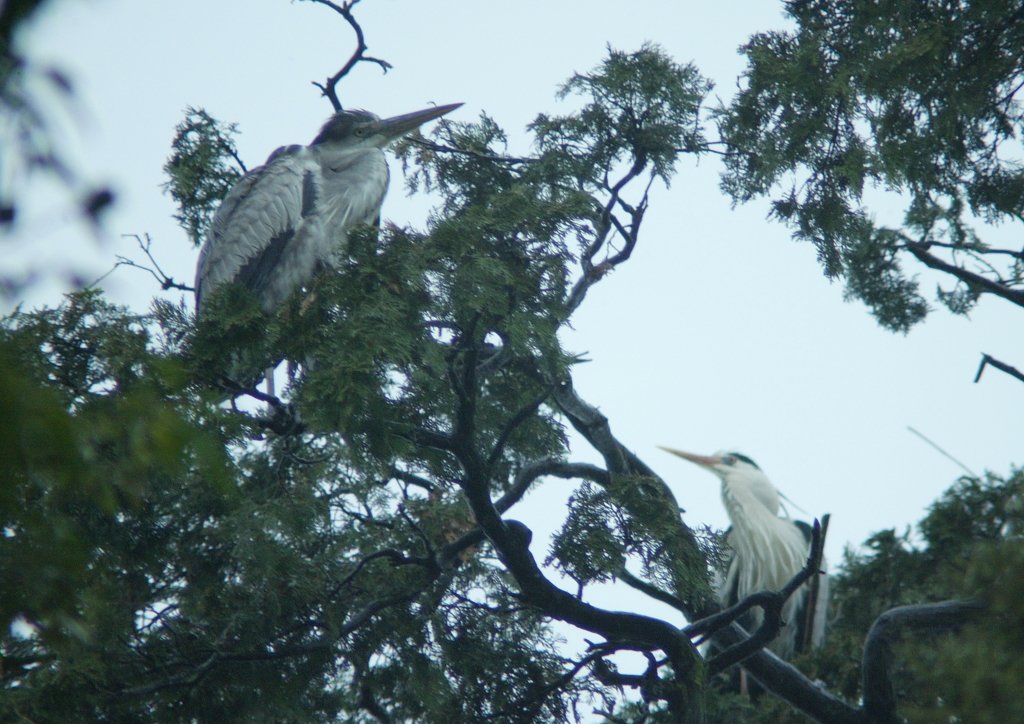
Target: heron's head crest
x,y
366,130
346,126
730,458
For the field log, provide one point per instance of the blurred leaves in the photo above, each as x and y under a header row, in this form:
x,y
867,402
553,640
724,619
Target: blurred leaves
x,y
88,415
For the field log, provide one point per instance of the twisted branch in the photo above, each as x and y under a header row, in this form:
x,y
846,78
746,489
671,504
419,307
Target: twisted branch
x,y
328,88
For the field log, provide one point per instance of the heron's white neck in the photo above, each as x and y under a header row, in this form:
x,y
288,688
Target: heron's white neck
x,y
773,548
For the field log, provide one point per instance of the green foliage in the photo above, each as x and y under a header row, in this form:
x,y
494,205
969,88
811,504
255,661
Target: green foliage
x,y
978,676
644,108
587,549
915,97
74,376
203,166
969,548
315,560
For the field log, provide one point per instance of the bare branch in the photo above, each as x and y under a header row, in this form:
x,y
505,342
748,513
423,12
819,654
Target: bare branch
x,y
513,495
608,220
329,88
515,421
653,591
551,466
784,681
429,438
989,360
441,148
413,479
166,282
814,590
983,284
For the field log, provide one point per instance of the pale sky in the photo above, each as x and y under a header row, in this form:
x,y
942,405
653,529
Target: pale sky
x,y
720,332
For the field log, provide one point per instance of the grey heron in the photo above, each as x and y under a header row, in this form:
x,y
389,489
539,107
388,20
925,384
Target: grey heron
x,y
767,551
285,220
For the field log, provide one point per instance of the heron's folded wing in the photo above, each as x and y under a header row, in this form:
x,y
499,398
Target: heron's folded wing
x,y
255,223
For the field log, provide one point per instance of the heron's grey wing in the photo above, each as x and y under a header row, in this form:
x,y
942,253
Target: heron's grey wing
x,y
211,248
256,222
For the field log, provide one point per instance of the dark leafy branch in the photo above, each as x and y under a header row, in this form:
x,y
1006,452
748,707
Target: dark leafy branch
x,y
919,100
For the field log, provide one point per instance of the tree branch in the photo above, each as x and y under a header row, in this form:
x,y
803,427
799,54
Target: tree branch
x,y
592,274
441,148
653,591
879,697
984,284
329,88
551,466
989,360
786,682
518,419
166,282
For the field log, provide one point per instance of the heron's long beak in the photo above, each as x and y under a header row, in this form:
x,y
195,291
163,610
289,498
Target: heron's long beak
x,y
398,126
703,460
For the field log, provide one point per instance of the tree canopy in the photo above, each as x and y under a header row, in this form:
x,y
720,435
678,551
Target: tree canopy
x,y
919,98
181,546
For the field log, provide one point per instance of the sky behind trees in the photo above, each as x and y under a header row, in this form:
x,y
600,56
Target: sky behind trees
x,y
720,332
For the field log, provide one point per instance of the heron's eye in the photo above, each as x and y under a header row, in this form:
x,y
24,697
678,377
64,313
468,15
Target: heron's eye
x,y
360,131
728,460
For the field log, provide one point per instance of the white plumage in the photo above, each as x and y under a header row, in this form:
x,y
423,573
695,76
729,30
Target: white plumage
x,y
767,551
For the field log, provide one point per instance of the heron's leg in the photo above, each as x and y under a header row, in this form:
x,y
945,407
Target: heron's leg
x,y
744,689
269,376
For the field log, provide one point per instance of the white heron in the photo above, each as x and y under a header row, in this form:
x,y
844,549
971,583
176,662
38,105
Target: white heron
x,y
286,219
767,551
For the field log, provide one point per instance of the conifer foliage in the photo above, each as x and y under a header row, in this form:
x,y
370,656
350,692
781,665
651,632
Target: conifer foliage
x,y
177,546
917,97
345,555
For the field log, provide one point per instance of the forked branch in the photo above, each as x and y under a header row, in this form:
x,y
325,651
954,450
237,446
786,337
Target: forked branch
x,y
989,360
146,244
329,87
976,281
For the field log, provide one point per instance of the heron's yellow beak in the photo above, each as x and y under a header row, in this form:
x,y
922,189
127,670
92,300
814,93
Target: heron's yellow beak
x,y
398,126
704,461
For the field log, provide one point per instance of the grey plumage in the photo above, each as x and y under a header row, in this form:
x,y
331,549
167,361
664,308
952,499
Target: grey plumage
x,y
286,219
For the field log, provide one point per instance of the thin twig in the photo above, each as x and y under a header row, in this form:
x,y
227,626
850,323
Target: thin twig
x,y
166,282
969,471
329,89
440,148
